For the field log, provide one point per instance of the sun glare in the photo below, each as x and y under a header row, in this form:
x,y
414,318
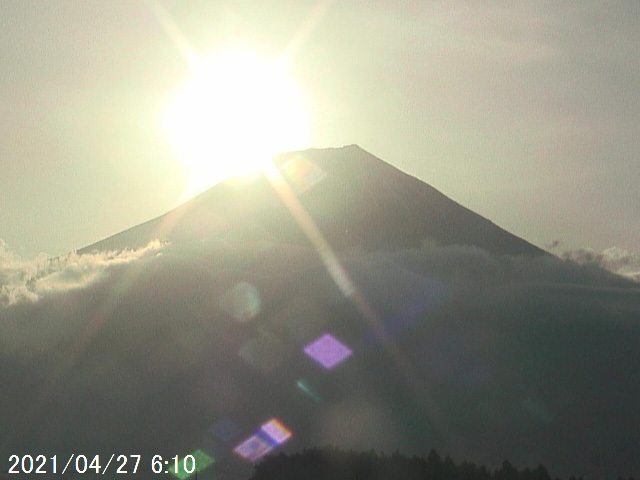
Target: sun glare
x,y
234,113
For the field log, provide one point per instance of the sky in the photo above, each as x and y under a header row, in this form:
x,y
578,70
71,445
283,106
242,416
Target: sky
x,y
526,112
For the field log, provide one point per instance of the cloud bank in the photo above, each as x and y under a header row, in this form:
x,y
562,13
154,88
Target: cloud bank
x,y
28,280
615,260
465,265
540,350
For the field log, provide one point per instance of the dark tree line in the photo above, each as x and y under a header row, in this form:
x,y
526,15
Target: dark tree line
x,y
330,463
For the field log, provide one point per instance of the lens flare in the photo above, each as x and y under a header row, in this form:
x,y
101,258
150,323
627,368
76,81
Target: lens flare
x,y
327,351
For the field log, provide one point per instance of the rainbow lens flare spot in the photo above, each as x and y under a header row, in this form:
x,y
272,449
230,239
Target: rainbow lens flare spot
x,y
254,448
276,431
270,435
302,174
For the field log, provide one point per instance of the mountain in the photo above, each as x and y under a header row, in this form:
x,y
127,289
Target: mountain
x,y
417,325
356,199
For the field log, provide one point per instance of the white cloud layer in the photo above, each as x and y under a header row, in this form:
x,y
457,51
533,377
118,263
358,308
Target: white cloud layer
x,y
614,259
28,280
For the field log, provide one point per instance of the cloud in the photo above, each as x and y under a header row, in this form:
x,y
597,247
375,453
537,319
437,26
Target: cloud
x,y
467,265
506,343
28,280
614,259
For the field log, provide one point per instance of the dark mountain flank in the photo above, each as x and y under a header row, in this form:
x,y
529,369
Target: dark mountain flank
x,y
418,325
356,199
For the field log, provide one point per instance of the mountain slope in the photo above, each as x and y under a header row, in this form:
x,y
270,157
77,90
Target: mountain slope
x,y
357,201
197,344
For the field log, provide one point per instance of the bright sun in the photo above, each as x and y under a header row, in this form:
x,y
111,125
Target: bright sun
x,y
235,112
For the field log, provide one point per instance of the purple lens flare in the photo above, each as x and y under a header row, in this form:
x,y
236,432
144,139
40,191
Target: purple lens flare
x,y
327,351
254,448
276,430
269,436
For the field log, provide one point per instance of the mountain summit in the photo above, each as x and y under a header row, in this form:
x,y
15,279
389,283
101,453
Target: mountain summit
x,y
356,200
244,337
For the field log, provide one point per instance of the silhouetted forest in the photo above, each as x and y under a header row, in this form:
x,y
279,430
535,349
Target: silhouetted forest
x,y
330,463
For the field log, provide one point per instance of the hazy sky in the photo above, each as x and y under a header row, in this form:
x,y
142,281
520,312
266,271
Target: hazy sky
x,y
526,112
